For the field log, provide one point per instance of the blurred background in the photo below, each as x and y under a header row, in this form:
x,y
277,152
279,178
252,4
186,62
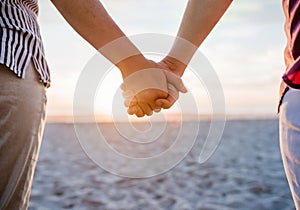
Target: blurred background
x,y
245,49
245,172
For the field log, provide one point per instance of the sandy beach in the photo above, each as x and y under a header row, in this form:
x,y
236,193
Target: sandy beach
x,y
245,173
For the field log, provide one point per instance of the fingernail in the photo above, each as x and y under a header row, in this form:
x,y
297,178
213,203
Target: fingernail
x,y
156,110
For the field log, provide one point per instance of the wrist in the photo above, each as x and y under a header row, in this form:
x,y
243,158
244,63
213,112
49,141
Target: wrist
x,y
174,65
132,64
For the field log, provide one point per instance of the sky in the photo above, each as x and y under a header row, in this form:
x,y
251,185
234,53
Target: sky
x,y
245,50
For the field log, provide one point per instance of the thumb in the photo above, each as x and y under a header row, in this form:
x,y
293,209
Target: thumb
x,y
173,91
176,81
165,103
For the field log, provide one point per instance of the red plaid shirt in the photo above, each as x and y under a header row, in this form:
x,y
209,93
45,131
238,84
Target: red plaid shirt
x,y
291,77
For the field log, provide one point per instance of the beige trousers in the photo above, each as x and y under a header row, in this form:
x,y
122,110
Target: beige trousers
x,y
289,130
22,117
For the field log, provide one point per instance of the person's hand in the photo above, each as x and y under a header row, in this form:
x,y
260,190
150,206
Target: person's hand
x,y
177,69
135,102
141,89
161,101
173,65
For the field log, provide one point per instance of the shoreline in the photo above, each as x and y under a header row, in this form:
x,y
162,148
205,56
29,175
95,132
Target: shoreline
x,y
191,118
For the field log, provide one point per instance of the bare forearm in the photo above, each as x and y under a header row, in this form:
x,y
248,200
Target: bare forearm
x,y
199,19
90,20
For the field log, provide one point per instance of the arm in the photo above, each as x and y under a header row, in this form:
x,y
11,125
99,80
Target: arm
x,y
199,19
90,20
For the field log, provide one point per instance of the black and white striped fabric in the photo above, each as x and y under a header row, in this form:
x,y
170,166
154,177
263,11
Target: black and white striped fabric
x,y
20,39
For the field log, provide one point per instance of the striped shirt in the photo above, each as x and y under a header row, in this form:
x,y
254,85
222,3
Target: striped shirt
x,y
20,38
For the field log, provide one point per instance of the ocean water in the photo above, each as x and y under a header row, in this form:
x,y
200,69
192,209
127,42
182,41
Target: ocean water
x,y
244,173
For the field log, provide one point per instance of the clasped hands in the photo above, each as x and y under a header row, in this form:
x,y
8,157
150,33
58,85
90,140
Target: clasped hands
x,y
152,87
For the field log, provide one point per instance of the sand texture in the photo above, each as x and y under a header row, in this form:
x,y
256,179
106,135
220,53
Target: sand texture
x,y
245,173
